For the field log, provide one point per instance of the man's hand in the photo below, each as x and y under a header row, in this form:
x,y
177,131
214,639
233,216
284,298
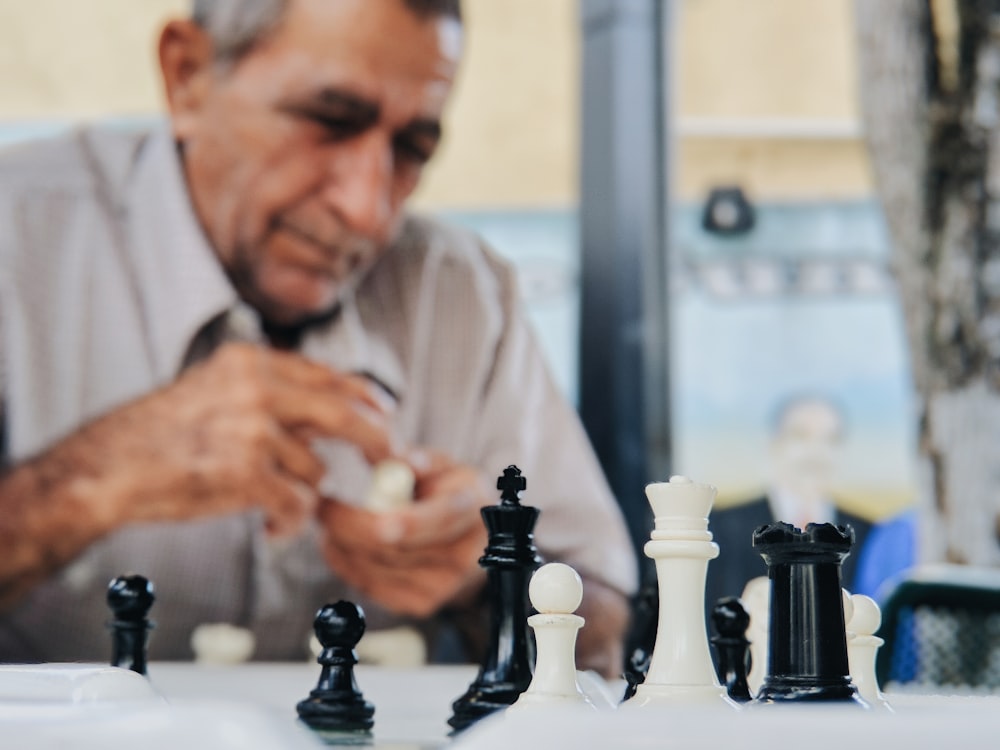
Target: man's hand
x,y
415,560
601,643
231,434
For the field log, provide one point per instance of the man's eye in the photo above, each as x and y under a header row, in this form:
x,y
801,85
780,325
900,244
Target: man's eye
x,y
336,127
413,151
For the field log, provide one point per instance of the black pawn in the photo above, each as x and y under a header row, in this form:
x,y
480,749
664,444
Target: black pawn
x,y
336,706
509,559
731,620
130,598
807,646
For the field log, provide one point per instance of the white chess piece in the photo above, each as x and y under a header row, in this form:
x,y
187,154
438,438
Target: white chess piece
x,y
756,598
222,643
848,605
862,648
392,486
681,545
555,591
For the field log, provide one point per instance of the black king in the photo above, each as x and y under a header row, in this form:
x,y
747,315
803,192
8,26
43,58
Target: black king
x,y
509,560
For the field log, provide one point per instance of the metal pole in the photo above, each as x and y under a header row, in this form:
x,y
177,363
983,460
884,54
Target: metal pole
x,y
624,364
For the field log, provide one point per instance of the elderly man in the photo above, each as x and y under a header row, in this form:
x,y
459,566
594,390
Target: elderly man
x,y
210,332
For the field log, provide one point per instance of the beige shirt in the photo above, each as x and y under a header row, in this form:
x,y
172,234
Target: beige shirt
x,y
106,280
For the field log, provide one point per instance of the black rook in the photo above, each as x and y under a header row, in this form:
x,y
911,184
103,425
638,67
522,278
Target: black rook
x,y
807,646
509,559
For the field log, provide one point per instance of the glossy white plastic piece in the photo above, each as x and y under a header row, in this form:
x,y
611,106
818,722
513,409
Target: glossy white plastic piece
x,y
862,649
222,643
681,670
555,591
756,598
392,486
72,684
154,726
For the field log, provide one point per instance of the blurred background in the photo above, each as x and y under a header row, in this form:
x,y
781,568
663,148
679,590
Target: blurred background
x,y
775,254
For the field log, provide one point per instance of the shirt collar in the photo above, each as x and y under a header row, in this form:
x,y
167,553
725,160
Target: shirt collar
x,y
351,346
182,283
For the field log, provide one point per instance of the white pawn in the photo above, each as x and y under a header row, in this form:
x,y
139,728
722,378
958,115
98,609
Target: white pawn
x,y
392,486
756,598
222,643
555,591
862,648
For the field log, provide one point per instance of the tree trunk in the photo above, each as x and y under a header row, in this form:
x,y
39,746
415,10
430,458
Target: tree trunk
x,y
930,89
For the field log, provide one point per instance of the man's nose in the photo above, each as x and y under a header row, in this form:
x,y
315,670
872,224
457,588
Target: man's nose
x,y
359,185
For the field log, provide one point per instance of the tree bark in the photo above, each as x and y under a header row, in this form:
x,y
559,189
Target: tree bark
x,y
930,90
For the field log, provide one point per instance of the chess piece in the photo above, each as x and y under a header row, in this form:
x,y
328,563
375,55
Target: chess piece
x,y
392,486
732,647
645,610
222,643
509,558
807,644
756,600
336,707
680,670
130,598
862,649
555,591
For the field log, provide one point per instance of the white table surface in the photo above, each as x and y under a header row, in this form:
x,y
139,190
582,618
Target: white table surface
x,y
412,707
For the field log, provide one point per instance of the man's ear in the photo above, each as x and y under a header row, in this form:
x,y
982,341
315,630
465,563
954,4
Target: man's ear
x,y
186,63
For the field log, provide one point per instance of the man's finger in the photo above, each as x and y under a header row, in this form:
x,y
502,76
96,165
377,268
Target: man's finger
x,y
296,369
295,458
406,591
437,520
287,503
336,414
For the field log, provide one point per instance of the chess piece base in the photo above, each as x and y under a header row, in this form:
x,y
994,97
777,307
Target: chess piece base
x,y
480,701
327,711
529,702
791,690
663,695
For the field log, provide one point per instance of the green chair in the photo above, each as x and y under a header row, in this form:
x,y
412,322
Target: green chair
x,y
941,626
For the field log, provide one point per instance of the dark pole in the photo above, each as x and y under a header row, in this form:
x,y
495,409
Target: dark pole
x,y
624,363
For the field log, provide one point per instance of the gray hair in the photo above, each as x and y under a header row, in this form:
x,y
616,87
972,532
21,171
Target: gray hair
x,y
236,26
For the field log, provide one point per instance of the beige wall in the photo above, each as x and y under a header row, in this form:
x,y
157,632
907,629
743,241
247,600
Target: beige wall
x,y
764,92
79,58
766,97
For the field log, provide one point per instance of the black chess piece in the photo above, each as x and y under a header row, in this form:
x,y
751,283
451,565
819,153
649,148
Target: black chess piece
x,y
130,598
509,560
336,706
807,643
731,620
642,633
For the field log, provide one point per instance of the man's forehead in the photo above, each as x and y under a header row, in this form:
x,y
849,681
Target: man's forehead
x,y
377,49
389,28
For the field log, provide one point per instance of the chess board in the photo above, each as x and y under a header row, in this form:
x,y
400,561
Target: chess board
x,y
251,706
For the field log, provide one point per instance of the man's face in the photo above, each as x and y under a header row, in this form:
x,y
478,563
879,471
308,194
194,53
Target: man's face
x,y
806,447
299,157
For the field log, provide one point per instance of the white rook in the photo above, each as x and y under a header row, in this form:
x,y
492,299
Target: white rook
x,y
680,670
